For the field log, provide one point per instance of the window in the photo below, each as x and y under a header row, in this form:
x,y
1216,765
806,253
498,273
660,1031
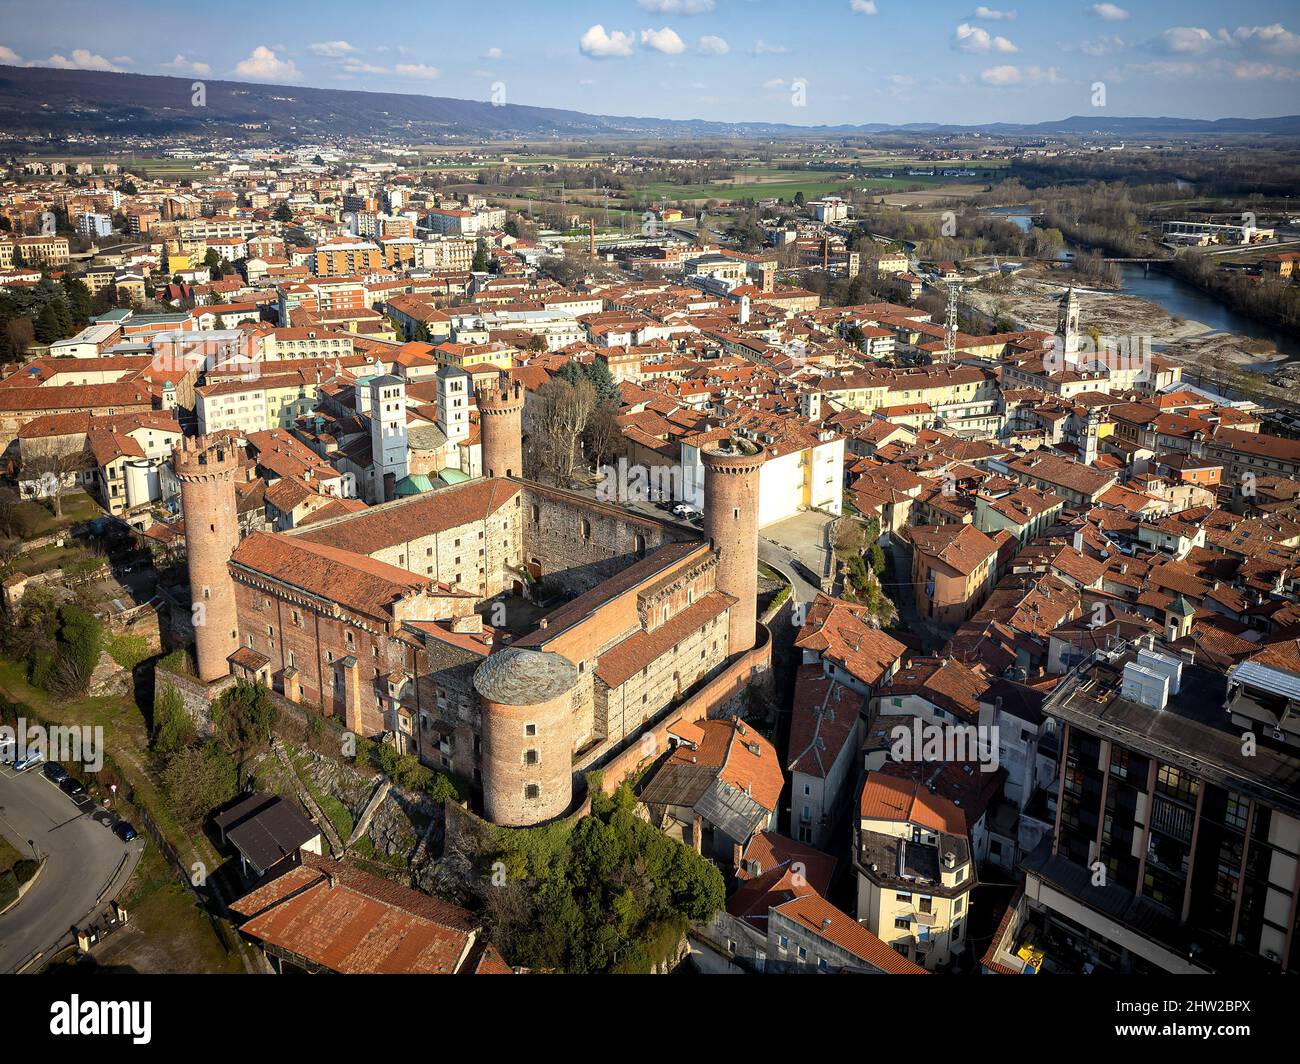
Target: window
x,y
783,942
902,895
530,729
532,792
902,923
530,757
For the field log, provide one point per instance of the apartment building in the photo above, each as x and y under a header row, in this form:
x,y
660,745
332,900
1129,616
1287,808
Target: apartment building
x,y
1176,846
914,870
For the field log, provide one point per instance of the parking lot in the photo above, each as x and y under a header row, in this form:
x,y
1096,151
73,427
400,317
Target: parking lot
x,y
86,864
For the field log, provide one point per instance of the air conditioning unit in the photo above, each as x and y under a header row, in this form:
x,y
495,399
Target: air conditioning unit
x,y
1279,734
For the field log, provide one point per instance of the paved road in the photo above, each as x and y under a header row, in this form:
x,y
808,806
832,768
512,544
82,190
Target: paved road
x,y
84,858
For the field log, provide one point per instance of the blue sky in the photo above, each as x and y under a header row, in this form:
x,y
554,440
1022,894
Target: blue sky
x,y
854,60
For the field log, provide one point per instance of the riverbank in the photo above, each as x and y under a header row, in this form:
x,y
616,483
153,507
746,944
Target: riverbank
x,y
1033,303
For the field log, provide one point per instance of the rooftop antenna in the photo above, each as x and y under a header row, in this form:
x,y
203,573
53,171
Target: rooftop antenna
x,y
950,324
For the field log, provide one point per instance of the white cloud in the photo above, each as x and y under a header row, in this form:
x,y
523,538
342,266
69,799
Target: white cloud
x,y
331,49
710,45
761,47
493,53
1271,40
664,40
1108,12
1011,75
9,56
263,64
1256,71
968,38
677,7
82,59
990,14
601,45
358,66
774,83
416,70
1184,40
862,7
1102,45
187,66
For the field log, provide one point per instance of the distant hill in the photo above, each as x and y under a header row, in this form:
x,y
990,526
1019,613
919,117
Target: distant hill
x,y
60,101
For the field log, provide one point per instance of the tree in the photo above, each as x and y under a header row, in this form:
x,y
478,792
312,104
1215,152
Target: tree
x,y
50,473
482,258
602,439
49,326
173,728
199,779
565,409
282,213
243,719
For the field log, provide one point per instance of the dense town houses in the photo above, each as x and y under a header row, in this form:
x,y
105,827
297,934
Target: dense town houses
x,y
906,630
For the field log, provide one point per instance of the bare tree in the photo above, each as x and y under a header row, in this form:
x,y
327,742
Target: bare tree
x,y
604,440
50,472
565,411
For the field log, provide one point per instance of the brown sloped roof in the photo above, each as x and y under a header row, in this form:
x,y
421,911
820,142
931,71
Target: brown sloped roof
x,y
354,923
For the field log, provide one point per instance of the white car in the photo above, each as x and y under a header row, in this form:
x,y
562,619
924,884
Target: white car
x,y
34,758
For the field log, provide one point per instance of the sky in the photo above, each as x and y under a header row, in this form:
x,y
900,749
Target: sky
x,y
812,62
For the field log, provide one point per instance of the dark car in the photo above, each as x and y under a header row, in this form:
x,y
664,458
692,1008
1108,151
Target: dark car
x,y
73,788
55,772
124,831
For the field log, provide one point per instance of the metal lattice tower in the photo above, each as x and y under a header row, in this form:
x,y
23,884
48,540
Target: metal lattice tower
x,y
950,324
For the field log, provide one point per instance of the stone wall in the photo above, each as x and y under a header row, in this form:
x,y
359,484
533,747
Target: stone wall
x,y
720,697
576,543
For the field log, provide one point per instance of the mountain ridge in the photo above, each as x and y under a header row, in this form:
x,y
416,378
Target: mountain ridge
x,y
103,102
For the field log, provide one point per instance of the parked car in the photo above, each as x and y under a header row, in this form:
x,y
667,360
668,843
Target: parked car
x,y
124,831
73,788
55,773
35,757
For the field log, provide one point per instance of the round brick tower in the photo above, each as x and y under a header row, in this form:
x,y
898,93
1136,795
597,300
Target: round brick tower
x,y
501,427
731,469
527,702
206,469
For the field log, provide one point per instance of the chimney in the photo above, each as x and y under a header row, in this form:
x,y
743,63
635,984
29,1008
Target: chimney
x,y
949,860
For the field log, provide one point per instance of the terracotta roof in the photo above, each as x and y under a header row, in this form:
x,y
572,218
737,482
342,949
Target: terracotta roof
x,y
350,922
909,801
354,580
436,511
838,631
817,914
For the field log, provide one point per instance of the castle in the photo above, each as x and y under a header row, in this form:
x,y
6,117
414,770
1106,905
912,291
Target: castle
x,y
518,635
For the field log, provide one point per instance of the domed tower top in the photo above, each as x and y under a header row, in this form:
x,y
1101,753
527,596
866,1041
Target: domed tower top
x,y
518,676
526,698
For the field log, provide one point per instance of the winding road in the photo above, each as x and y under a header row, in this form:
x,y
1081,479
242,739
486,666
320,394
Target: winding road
x,y
85,864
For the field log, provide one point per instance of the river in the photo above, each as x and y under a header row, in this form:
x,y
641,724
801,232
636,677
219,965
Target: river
x,y
1178,297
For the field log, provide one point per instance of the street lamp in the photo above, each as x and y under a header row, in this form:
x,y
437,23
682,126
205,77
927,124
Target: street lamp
x,y
35,852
